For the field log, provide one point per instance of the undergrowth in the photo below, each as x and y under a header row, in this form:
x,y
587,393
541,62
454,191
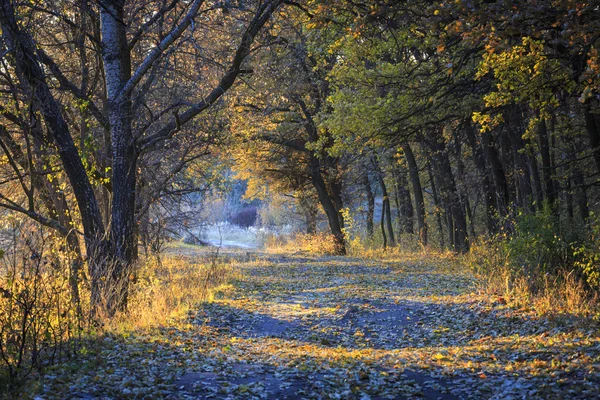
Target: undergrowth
x,y
41,325
319,243
169,288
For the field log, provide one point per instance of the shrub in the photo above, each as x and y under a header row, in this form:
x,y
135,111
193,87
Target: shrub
x,y
544,265
40,324
588,256
539,246
244,218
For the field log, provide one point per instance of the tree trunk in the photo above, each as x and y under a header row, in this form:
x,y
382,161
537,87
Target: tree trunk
x,y
521,161
32,80
370,204
333,216
580,189
335,188
382,224
537,181
489,197
415,180
549,184
311,221
592,125
501,184
309,209
117,68
436,203
582,199
469,213
457,224
386,209
406,211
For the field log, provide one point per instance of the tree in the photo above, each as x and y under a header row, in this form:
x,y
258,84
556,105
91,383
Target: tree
x,y
131,54
286,97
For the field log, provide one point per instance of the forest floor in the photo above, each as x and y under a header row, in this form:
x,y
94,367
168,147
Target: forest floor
x,y
302,326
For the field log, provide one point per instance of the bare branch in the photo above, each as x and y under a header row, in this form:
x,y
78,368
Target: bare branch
x,y
155,54
262,15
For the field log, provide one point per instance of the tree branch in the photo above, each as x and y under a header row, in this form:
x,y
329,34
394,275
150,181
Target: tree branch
x,y
261,17
175,33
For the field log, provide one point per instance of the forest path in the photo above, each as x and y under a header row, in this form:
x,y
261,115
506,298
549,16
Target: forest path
x,y
299,326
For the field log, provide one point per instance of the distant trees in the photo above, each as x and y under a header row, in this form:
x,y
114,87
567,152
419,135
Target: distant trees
x,y
281,106
461,116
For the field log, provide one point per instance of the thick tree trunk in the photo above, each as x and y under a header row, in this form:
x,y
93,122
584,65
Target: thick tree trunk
x,y
117,68
335,189
404,204
415,180
333,216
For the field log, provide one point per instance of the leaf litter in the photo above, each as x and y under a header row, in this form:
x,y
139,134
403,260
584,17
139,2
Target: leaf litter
x,y
297,326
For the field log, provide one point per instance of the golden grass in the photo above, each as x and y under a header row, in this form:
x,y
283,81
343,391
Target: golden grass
x,y
319,244
562,293
169,289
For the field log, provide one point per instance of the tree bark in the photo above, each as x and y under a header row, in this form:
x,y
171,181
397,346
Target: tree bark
x,y
549,184
333,216
370,204
413,170
117,68
489,197
386,209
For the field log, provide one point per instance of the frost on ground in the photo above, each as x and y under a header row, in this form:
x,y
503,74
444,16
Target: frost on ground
x,y
297,326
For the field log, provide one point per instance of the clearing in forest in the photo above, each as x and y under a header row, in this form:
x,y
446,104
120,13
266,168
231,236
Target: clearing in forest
x,y
302,326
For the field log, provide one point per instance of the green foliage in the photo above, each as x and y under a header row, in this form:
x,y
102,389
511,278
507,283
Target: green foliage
x,y
541,247
522,73
588,256
537,245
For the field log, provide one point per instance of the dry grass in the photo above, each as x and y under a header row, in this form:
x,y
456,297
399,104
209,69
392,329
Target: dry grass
x,y
169,289
319,244
562,293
